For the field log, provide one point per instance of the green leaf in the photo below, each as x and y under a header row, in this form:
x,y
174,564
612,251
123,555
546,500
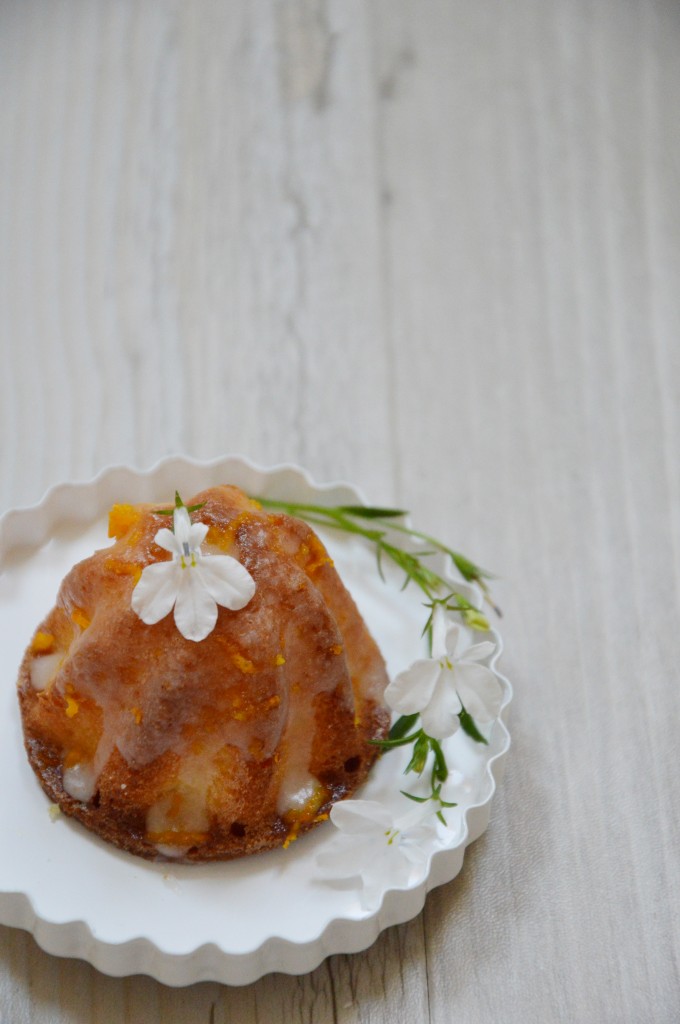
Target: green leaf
x,y
440,770
421,749
436,795
468,726
171,511
388,744
368,512
417,799
402,726
468,570
378,558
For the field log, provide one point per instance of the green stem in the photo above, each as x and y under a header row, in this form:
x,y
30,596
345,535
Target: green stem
x,y
338,518
342,517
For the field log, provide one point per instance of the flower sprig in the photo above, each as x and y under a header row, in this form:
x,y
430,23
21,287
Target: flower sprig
x,y
454,602
400,735
430,696
354,518
448,690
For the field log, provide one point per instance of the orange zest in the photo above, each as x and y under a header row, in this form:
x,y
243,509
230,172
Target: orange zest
x,y
72,706
121,519
244,664
121,568
42,642
80,618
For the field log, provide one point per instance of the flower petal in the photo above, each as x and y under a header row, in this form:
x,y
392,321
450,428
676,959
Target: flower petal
x,y
440,717
440,625
480,691
166,539
226,580
361,817
416,817
388,869
195,609
345,857
478,652
156,592
453,635
413,844
197,534
181,523
412,689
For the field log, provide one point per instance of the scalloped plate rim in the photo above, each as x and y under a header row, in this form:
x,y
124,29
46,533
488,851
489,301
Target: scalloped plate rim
x,y
209,961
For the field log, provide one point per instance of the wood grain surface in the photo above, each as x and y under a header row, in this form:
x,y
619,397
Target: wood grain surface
x,y
431,246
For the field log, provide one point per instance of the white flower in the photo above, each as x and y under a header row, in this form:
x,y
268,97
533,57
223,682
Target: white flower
x,y
381,849
194,583
439,687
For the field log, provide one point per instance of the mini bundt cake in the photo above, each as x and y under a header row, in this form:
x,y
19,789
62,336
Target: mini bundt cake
x,y
213,745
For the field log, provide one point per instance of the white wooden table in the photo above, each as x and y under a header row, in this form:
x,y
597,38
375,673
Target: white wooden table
x,y
434,248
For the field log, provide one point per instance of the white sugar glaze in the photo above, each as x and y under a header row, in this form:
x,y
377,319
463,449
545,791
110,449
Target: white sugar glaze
x,y
44,669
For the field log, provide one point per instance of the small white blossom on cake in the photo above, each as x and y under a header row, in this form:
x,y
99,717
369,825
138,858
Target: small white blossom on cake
x,y
191,582
440,687
377,846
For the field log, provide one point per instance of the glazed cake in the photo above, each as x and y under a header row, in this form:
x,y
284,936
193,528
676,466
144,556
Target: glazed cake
x,y
205,748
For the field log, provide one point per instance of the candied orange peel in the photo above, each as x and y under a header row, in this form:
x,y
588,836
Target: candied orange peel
x,y
42,642
121,519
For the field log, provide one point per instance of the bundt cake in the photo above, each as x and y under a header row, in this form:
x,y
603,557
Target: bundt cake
x,y
211,732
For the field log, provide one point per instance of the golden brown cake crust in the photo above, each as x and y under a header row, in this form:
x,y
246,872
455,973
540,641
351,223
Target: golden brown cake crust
x,y
209,750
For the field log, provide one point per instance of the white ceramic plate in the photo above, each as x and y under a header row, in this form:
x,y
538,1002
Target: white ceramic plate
x,y
230,922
